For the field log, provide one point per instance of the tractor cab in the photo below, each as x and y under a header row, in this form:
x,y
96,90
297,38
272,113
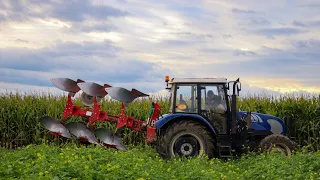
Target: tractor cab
x,y
206,97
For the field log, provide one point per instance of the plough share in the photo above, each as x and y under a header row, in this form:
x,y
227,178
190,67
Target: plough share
x,y
91,112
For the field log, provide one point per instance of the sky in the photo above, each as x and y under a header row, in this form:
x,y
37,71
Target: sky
x,y
272,46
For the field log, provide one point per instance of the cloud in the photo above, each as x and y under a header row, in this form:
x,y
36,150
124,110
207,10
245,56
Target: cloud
x,y
299,24
310,43
78,10
310,5
27,77
22,41
89,61
6,88
272,32
226,36
212,50
315,23
270,50
98,27
73,10
175,43
244,53
193,35
240,11
127,44
279,31
283,70
188,10
275,63
259,21
123,1
307,24
2,18
61,55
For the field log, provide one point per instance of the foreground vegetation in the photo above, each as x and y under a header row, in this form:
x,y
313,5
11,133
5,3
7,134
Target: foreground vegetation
x,y
72,162
20,114
19,126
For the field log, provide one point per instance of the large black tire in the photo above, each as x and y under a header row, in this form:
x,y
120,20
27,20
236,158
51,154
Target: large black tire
x,y
185,138
277,143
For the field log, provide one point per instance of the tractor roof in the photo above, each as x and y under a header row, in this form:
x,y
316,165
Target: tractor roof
x,y
198,80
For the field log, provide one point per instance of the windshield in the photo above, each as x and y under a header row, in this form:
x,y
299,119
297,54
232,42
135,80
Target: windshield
x,y
212,96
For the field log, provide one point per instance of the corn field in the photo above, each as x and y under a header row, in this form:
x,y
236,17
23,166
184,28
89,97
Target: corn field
x,y
20,114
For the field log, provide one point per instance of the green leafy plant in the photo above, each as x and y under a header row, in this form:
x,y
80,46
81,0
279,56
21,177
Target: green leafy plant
x,y
20,114
70,161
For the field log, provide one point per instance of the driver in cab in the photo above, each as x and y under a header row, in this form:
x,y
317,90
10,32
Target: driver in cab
x,y
214,105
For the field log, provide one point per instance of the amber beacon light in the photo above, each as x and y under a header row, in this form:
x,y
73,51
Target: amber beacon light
x,y
167,78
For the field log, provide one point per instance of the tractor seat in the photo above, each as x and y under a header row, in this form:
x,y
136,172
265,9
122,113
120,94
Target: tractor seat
x,y
182,102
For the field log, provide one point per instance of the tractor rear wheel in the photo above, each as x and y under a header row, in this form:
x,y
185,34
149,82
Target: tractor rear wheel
x,y
185,138
277,143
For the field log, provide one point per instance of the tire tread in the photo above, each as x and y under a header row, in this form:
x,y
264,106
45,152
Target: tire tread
x,y
168,133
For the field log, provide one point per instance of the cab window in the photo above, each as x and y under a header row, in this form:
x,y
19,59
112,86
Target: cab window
x,y
212,95
186,99
213,103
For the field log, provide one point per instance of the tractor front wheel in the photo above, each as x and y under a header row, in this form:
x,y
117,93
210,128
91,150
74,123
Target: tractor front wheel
x,y
185,138
277,143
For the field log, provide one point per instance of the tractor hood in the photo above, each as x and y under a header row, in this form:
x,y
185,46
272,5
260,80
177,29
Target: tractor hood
x,y
261,121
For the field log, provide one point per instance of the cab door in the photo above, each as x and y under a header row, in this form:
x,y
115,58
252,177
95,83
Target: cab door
x,y
214,106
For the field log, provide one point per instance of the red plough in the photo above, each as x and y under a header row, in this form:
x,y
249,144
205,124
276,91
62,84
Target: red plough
x,y
92,112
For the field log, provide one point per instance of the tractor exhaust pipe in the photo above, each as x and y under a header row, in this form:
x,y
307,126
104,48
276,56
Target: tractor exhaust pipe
x,y
234,106
234,114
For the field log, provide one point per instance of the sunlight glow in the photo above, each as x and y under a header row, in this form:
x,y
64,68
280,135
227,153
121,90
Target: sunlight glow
x,y
283,85
113,36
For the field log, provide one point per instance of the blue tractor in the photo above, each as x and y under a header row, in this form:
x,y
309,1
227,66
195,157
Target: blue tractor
x,y
203,118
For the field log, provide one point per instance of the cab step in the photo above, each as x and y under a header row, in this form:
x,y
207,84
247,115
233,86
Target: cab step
x,y
225,151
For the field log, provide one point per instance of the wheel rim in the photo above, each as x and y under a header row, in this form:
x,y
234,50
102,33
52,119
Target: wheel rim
x,y
186,145
280,148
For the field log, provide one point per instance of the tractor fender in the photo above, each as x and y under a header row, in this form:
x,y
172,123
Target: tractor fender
x,y
169,118
260,121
